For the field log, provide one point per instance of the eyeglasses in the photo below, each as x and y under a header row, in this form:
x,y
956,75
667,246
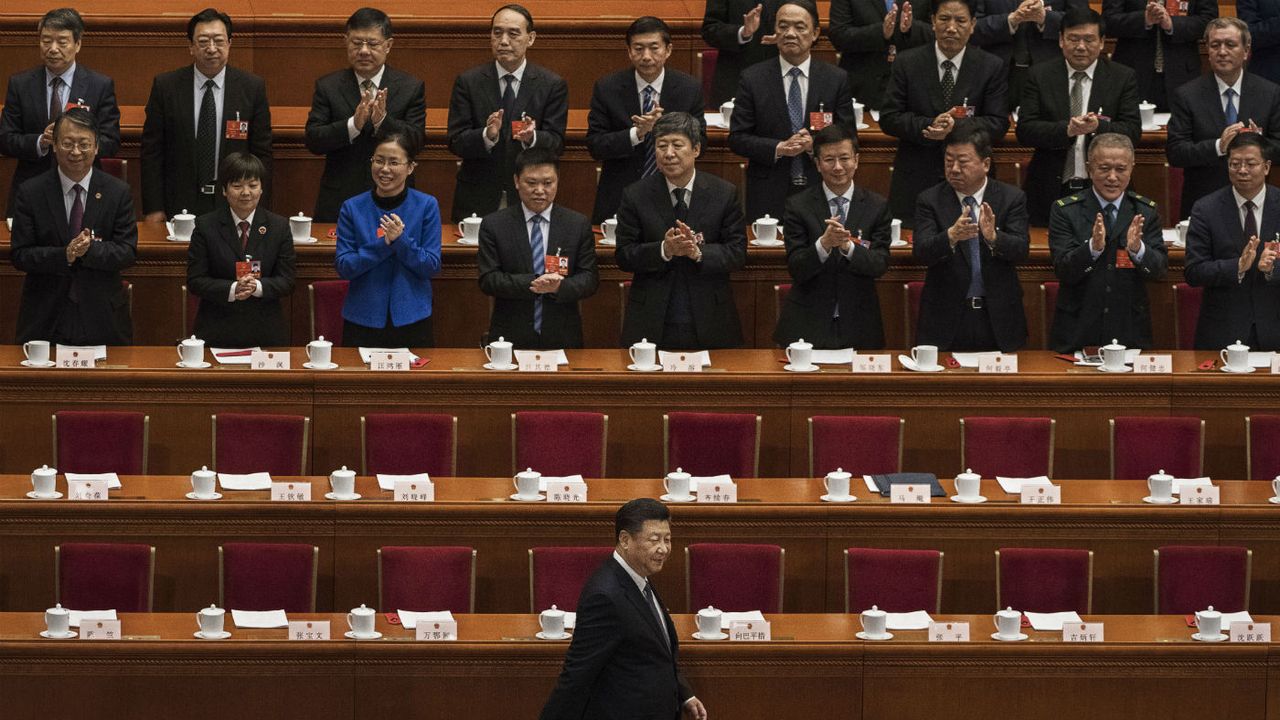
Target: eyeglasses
x,y
70,145
383,162
1240,165
374,45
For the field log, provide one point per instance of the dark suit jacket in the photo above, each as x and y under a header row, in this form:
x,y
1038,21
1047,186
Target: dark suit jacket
x,y
946,282
486,174
856,31
1096,301
760,121
1198,121
26,115
1046,110
1136,44
915,99
644,217
1263,17
83,303
614,99
346,163
211,271
818,286
507,268
169,139
619,665
1229,308
1028,46
720,24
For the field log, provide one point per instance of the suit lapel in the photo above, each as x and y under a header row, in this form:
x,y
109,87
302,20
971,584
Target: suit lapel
x,y
1097,88
1124,216
666,211
79,88
489,79
642,605
817,90
1249,108
230,234
93,200
257,235
933,82
528,85
631,93
58,208
1270,215
520,236
1211,98
964,79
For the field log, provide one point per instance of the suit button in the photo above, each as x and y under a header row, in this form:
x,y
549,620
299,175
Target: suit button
x,y
1106,310
1108,288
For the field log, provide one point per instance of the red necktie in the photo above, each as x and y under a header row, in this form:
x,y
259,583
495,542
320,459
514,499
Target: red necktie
x,y
244,236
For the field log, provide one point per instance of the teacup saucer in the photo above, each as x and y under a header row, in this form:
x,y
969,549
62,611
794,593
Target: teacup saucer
x,y
1125,369
607,242
197,496
334,496
863,636
491,366
202,635
1274,500
975,500
673,498
465,241
543,636
65,636
313,366
641,368
1016,638
798,368
1209,638
45,364
194,366
1150,128
767,243
175,238
717,636
351,635
308,241
845,499
911,365
1246,371
1159,501
520,498
899,243
40,496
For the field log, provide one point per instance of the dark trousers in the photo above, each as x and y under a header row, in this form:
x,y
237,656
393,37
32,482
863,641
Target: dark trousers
x,y
974,333
413,335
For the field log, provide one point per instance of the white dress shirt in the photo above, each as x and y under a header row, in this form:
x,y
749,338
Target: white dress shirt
x,y
538,268
1222,101
957,60
1077,148
641,84
803,80
1258,201
219,89
64,96
69,195
353,132
824,253
515,88
235,226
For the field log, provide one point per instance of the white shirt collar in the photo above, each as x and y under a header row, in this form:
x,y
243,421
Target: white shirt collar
x,y
518,72
1103,202
804,66
67,183
1089,71
218,80
528,214
1258,199
236,220
377,77
976,196
656,84
847,194
959,58
66,76
638,579
1222,86
688,187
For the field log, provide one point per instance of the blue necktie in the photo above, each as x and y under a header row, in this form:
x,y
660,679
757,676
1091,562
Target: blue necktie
x,y
539,252
1231,112
795,108
650,159
976,288
888,5
838,205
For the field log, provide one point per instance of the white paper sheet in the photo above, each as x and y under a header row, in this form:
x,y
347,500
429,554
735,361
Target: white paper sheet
x,y
711,480
78,616
410,619
252,481
968,359
875,115
1228,618
918,620
388,482
871,484
715,119
1013,486
1260,359
729,618
833,357
1051,621
233,356
1170,235
1162,118
113,480
245,619
561,358
548,480
664,357
99,351
1180,484
366,352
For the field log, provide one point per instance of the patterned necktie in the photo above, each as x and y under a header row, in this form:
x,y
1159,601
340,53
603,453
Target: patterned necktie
x,y
839,205
1077,109
948,81
976,288
538,250
206,138
55,102
1230,111
1159,61
75,221
795,109
681,207
657,614
244,236
1250,221
650,157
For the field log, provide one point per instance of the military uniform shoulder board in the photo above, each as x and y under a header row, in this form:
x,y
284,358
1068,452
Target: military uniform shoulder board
x,y
1063,202
1141,199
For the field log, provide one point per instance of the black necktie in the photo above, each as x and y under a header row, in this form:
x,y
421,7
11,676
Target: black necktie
x,y
1109,216
206,138
681,208
55,104
657,614
948,81
509,100
1250,221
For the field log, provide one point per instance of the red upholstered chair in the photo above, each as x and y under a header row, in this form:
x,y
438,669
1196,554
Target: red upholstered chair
x,y
779,296
1186,315
911,293
860,445
268,576
128,295
1044,579
1262,446
277,444
190,306
1190,578
557,574
91,441
327,298
706,67
1173,184
892,580
560,443
426,579
1048,308
711,443
1007,446
734,577
104,576
408,443
117,168
1142,446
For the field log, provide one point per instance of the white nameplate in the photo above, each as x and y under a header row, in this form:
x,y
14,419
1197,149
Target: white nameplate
x,y
86,489
414,491
308,630
682,362
910,494
997,363
100,630
1085,632
567,492
1275,364
264,360
948,632
720,492
74,358
872,364
538,361
1250,632
398,361
291,492
436,630
1035,494
1153,364
754,631
1201,495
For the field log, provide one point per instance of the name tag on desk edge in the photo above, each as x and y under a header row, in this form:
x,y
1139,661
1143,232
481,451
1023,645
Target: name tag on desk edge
x,y
910,494
1250,632
100,630
308,630
1035,494
872,364
86,489
997,363
538,362
399,361
1084,632
436,631
750,632
269,360
948,632
1153,364
1275,364
414,491
74,359
290,492
1201,495
682,362
718,493
567,492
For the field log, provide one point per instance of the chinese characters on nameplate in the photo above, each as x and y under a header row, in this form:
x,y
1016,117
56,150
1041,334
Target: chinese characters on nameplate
x,y
910,494
308,630
397,361
437,630
291,492
1085,632
100,630
567,492
74,358
997,363
718,492
754,631
1153,364
871,364
1201,495
1250,632
414,491
269,360
86,489
948,632
1037,494
537,362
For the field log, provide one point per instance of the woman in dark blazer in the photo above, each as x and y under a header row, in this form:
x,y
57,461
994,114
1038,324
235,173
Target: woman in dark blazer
x,y
389,248
240,263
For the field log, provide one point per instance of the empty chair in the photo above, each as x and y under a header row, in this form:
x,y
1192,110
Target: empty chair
x,y
911,293
92,441
1190,578
560,443
408,443
1044,580
117,168
1262,446
557,574
734,577
268,576
425,579
892,580
326,298
780,293
1186,315
711,443
1143,446
860,445
1007,446
104,576
276,444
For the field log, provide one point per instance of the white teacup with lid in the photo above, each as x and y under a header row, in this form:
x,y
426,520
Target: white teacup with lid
x,y
643,354
43,481
300,228
1235,357
191,352
1113,356
766,229
1147,111
469,229
800,355
184,223
874,623
1160,487
610,229
361,621
726,111
677,485
203,482
499,354
1210,624
57,621
320,353
709,623
552,623
837,485
211,620
1008,624
527,484
343,484
968,485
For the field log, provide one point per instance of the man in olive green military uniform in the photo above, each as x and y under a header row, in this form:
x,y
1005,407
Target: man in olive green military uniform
x,y
1106,245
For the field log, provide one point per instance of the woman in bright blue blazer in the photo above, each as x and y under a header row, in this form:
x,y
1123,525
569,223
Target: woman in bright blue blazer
x,y
389,249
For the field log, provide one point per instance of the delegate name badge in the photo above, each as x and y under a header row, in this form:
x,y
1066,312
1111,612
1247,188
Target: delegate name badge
x,y
910,494
308,630
721,492
1250,632
1201,495
682,362
567,492
74,359
1086,632
249,267
753,631
100,630
519,126
819,120
1177,8
872,364
997,363
436,631
948,632
291,492
1123,261
414,491
1153,364
557,264
269,360
538,362
86,489
1041,494
237,129
398,361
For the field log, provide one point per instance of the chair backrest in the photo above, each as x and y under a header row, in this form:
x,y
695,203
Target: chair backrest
x,y
1186,314
779,296
244,443
1174,179
1189,578
326,298
190,306
92,441
734,577
268,576
560,443
911,293
1142,446
711,443
1262,446
557,574
117,168
1048,308
408,443
427,579
892,580
624,291
707,58
1044,579
1007,446
857,444
104,576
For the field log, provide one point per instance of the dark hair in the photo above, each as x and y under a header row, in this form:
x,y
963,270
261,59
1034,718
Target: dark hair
x,y
968,133
367,18
240,166
806,5
207,15
535,156
407,142
1076,16
678,123
63,19
632,516
518,9
833,135
967,3
77,116
1250,139
646,25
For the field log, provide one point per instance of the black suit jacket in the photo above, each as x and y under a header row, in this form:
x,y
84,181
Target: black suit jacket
x,y
83,303
486,174
346,163
915,99
620,665
211,271
721,21
760,121
856,31
169,139
507,267
1028,46
1136,44
1229,308
819,287
26,115
644,217
614,99
1098,302
1046,111
946,281
1263,18
1197,123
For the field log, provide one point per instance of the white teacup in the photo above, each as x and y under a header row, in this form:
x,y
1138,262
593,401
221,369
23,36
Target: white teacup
x,y
1235,357
57,620
37,351
184,223
1275,487
191,351
1183,226
469,228
726,111
1008,623
858,110
1160,486
765,229
677,484
43,480
361,620
526,484
895,231
643,354
925,356
1113,356
320,352
610,228
203,482
210,620
874,622
300,228
499,353
968,485
1148,112
709,622
800,354
552,622
1210,622
837,484
343,482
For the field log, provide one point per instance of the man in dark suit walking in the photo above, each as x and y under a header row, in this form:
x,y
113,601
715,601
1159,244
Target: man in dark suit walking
x,y
1211,110
772,116
624,659
351,106
1067,103
1162,47
73,232
869,35
680,233
1263,19
1022,33
739,31
931,89
196,116
36,97
626,104
500,108
537,260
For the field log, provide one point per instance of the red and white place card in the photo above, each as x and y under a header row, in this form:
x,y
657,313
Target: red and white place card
x,y
1250,632
910,494
1037,494
391,361
948,632
569,491
753,631
305,630
100,630
718,492
1153,364
270,360
872,363
74,358
537,362
997,363
86,489
1082,632
1201,495
414,491
291,492
436,630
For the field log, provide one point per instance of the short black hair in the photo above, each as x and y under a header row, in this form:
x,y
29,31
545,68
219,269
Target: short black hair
x,y
537,155
806,5
632,516
367,18
63,19
1082,15
649,24
77,116
518,9
240,166
678,123
1250,139
971,133
833,134
407,142
207,15
937,5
